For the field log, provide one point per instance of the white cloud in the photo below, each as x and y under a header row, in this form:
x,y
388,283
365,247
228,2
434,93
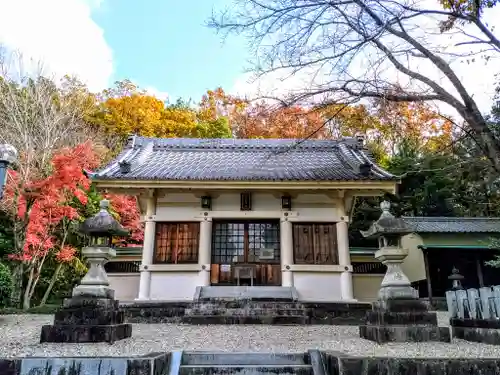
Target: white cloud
x,y
477,77
162,95
61,34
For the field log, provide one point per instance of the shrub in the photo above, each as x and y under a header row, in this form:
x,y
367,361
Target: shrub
x,y
6,285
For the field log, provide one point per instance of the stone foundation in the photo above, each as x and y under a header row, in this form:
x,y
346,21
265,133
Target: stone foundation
x,y
486,331
401,320
329,313
208,363
83,319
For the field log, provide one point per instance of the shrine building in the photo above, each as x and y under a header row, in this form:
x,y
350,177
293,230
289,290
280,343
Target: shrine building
x,y
254,212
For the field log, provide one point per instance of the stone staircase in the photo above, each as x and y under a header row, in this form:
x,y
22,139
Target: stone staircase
x,y
245,312
245,305
199,363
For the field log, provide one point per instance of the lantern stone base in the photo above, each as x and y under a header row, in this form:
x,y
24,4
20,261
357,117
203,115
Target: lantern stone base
x,y
402,320
86,319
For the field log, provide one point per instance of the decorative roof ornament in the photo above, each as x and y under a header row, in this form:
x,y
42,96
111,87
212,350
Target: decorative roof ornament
x,y
387,224
103,224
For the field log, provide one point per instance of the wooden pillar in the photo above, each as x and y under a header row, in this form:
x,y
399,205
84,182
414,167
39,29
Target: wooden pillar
x,y
286,247
427,275
479,270
148,247
346,287
205,251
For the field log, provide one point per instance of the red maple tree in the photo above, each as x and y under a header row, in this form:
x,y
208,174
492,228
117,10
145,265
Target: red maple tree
x,y
46,210
125,206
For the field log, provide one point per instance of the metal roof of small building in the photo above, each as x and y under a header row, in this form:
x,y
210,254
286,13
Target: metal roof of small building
x,y
192,159
421,224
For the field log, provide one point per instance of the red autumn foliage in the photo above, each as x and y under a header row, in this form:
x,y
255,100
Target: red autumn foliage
x,y
51,201
126,208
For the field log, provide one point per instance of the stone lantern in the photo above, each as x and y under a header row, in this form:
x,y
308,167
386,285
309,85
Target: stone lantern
x,y
8,156
100,229
92,314
389,231
398,314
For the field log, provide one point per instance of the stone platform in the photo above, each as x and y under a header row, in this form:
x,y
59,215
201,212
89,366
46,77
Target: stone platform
x,y
402,320
254,293
312,362
218,311
486,331
87,320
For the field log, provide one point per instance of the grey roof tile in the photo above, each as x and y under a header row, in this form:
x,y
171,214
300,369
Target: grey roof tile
x,y
242,160
454,224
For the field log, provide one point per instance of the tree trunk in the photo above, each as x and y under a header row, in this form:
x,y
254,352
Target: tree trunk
x,y
51,285
27,291
17,278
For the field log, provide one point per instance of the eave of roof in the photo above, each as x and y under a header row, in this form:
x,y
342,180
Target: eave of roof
x,y
242,160
442,224
457,247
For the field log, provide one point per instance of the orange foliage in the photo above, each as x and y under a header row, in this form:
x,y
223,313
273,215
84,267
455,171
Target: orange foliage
x,y
415,121
216,103
262,121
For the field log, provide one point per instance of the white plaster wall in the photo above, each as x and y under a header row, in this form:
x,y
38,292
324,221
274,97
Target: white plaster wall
x,y
366,286
318,286
185,206
126,285
413,266
174,286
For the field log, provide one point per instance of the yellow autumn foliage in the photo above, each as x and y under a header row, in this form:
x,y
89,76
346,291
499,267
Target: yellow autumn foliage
x,y
122,113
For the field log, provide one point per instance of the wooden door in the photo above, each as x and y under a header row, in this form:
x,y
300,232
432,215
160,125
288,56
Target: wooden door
x,y
315,243
241,243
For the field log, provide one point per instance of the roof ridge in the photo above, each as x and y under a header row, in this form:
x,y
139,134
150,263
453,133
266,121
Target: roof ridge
x,y
242,143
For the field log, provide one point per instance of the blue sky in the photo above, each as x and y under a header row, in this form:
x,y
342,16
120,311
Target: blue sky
x,y
165,44
161,45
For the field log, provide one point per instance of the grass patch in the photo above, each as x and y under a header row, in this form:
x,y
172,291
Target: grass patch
x,y
47,309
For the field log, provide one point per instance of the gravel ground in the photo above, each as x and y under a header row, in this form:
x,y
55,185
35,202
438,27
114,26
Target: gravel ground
x,y
19,335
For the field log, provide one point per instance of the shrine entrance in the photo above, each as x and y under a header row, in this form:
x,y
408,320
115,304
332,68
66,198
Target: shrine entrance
x,y
246,253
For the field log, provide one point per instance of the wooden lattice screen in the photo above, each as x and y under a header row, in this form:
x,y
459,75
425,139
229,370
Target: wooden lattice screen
x,y
369,268
315,243
177,243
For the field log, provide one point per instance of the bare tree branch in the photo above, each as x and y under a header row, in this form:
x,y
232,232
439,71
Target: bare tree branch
x,y
353,48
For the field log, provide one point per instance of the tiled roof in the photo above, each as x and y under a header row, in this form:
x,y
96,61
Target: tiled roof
x,y
191,159
454,224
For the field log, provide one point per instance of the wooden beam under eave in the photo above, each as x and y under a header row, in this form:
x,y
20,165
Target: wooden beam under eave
x,y
364,185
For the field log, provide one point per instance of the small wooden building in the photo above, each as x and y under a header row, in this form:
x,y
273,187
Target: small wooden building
x,y
243,212
439,244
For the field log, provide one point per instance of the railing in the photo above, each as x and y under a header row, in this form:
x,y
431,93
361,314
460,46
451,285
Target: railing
x,y
369,268
482,303
122,267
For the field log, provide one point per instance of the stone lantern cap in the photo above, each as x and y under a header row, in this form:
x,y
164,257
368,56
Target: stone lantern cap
x,y
103,224
455,275
387,224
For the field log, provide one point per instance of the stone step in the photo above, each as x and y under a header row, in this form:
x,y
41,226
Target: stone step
x,y
245,312
246,369
255,319
222,358
404,333
248,304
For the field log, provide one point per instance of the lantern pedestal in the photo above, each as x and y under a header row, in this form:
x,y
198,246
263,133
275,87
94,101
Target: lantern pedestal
x,y
91,314
399,315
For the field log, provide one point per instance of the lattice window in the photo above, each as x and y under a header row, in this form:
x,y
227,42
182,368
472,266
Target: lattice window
x,y
177,243
245,242
315,243
369,268
122,267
